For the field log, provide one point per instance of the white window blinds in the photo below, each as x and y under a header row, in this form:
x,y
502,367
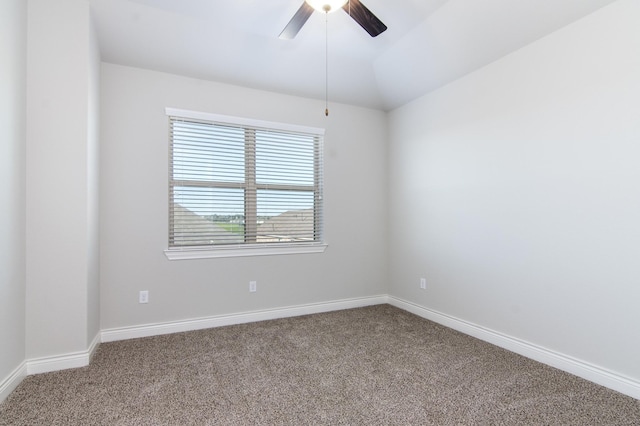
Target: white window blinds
x,y
234,183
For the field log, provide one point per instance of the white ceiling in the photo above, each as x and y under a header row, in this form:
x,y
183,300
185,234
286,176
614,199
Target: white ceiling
x,y
429,43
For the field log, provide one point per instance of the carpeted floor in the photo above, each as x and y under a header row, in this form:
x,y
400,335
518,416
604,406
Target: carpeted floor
x,y
370,366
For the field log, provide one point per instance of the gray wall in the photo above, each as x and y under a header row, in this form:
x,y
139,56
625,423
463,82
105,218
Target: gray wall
x,y
13,40
514,191
62,201
134,200
93,187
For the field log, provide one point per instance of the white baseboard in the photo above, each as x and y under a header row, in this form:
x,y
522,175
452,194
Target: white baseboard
x,y
12,381
63,362
563,362
560,361
147,330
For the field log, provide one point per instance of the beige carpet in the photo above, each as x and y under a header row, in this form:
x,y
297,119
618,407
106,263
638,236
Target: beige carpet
x,y
370,366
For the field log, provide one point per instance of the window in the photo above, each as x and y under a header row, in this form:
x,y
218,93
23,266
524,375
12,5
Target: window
x,y
242,187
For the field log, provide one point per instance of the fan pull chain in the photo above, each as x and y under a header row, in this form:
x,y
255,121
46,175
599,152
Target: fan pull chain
x,y
326,63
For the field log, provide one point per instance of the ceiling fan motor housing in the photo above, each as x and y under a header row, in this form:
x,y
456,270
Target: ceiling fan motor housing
x,y
326,5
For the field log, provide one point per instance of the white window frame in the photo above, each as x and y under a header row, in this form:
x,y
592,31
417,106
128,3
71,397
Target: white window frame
x,y
245,249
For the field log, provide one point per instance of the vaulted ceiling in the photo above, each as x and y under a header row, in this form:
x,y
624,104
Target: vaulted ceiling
x,y
428,44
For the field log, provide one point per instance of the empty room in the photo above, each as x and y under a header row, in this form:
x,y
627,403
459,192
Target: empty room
x,y
319,212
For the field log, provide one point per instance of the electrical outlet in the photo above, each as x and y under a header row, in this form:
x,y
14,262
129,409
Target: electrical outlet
x,y
144,296
253,286
423,283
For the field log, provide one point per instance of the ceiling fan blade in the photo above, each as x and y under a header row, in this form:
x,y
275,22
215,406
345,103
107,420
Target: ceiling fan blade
x,y
296,23
364,17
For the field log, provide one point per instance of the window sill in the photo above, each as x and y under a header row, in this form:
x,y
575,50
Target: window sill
x,y
240,251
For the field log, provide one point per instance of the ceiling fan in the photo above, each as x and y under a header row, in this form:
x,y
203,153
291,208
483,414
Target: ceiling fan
x,y
354,8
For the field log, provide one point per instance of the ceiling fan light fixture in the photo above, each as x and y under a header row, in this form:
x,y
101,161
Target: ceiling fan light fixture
x,y
326,5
